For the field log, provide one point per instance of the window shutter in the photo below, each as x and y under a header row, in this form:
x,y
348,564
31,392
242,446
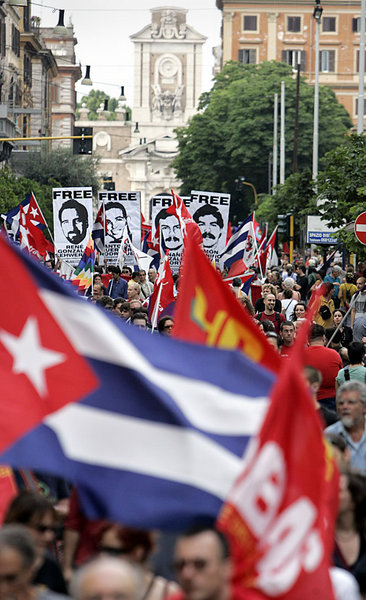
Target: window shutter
x,y
303,61
331,61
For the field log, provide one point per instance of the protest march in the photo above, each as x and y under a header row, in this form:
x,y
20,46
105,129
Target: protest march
x,y
178,400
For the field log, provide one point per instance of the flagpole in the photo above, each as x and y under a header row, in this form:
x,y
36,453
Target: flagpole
x,y
43,217
155,314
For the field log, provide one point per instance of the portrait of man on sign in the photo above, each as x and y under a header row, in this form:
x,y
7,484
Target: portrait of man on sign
x,y
171,233
74,221
116,220
209,220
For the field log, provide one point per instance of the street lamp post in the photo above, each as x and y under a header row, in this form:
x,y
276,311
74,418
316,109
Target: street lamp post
x,y
317,14
361,68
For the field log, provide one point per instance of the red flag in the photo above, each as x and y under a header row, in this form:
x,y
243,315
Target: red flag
x,y
207,312
31,237
280,515
285,248
188,225
228,233
34,213
39,369
8,489
163,292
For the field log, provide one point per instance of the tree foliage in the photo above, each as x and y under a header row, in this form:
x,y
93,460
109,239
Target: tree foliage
x,y
61,165
342,189
232,135
93,101
14,189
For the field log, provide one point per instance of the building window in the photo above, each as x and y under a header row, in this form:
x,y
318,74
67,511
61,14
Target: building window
x,y
15,40
247,56
356,25
27,70
294,24
327,61
364,107
329,24
294,57
358,60
250,23
2,36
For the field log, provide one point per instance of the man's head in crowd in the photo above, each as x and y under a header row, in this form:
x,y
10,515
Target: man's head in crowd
x,y
73,217
170,230
360,284
340,450
139,319
269,302
133,290
17,563
108,578
287,330
98,292
351,404
165,325
313,378
152,274
202,564
126,310
105,302
211,224
317,335
117,303
116,272
135,305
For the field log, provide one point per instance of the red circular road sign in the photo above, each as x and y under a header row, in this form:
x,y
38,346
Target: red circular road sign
x,y
360,228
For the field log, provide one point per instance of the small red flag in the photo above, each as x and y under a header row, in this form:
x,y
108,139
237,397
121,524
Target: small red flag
x,y
207,312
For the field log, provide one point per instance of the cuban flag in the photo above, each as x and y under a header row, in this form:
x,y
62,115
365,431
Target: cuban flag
x,y
99,230
236,247
151,429
30,205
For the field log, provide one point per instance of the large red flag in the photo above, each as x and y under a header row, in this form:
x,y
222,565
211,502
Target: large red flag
x,y
280,515
207,312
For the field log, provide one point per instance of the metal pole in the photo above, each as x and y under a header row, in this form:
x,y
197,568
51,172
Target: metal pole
x,y
275,142
361,73
317,17
296,132
282,138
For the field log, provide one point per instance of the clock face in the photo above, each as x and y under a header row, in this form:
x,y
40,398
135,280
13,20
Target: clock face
x,y
168,68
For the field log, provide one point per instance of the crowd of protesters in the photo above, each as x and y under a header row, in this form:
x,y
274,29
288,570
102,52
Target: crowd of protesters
x,y
49,549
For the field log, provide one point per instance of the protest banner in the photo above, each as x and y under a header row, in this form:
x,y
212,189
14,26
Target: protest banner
x,y
210,210
121,209
170,234
72,221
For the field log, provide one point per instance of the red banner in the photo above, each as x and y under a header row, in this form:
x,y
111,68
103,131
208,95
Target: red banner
x,y
207,312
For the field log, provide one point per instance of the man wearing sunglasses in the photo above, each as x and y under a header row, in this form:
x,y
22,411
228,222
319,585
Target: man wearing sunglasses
x,y
202,565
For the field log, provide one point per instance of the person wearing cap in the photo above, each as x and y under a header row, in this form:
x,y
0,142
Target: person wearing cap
x,y
334,277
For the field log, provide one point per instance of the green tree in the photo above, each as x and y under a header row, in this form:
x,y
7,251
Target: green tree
x,y
61,165
93,101
342,190
14,189
232,135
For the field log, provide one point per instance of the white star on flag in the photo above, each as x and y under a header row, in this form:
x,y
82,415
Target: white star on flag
x,y
34,212
29,356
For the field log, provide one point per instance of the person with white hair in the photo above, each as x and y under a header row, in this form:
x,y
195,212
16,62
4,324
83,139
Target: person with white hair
x,y
107,578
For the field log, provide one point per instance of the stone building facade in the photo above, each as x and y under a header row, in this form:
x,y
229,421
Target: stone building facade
x,y
254,31
168,63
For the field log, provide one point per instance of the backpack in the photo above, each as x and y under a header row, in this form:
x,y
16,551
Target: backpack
x,y
347,375
324,312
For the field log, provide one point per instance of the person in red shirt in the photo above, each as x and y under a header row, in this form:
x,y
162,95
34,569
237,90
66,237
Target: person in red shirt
x,y
269,313
327,361
287,338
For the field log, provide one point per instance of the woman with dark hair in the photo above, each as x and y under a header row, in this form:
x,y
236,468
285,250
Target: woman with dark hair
x,y
299,311
39,516
345,331
165,325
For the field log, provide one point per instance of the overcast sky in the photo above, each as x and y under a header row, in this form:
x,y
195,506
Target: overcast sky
x,y
103,27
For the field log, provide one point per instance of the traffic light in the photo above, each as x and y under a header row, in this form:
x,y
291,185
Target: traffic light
x,y
108,184
284,224
82,145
